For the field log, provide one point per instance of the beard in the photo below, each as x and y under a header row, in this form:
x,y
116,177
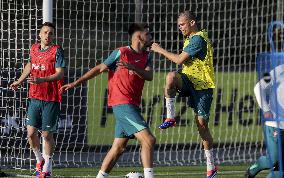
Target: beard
x,y
148,44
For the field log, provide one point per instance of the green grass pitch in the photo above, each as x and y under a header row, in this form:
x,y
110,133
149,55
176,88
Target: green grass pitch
x,y
225,171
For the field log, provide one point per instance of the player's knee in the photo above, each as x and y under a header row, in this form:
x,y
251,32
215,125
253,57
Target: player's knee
x,y
202,127
201,123
152,141
31,135
203,130
118,149
47,135
149,142
170,77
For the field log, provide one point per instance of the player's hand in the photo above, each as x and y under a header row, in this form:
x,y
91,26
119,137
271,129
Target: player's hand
x,y
126,65
268,115
35,80
156,47
15,85
67,87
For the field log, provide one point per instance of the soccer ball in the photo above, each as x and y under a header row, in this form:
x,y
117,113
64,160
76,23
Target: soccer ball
x,y
134,175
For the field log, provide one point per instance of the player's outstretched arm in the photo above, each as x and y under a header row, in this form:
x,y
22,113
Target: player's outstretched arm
x,y
176,58
90,74
25,74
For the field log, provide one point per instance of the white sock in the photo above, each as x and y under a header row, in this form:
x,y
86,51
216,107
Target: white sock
x,y
148,173
38,155
210,159
102,174
170,105
47,163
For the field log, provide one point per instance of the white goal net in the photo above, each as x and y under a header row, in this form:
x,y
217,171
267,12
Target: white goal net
x,y
89,30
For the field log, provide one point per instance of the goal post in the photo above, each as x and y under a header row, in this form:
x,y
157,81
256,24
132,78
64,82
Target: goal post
x,y
47,11
47,16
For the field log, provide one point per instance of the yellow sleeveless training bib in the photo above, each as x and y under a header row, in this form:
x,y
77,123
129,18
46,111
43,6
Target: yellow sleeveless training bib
x,y
200,71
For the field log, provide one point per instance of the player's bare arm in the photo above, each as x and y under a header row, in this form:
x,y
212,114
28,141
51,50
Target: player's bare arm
x,y
59,73
176,58
25,74
90,74
146,74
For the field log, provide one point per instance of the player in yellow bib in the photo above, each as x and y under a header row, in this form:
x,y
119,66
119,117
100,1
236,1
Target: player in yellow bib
x,y
196,81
